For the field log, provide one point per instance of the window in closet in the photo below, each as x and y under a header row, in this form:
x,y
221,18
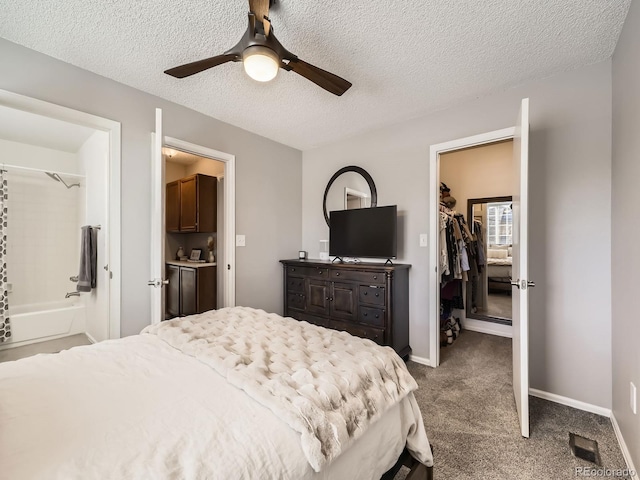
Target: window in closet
x,y
500,223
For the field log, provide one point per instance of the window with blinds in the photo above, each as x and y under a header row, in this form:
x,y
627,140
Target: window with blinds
x,y
500,223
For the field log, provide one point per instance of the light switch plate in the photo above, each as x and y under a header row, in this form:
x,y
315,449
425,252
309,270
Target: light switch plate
x,y
241,241
634,399
424,240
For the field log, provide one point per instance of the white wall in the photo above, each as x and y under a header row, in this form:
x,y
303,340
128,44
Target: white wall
x,y
570,178
174,171
32,156
93,158
268,187
42,225
206,166
480,172
626,229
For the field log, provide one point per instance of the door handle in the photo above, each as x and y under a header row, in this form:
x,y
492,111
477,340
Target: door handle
x,y
157,283
523,284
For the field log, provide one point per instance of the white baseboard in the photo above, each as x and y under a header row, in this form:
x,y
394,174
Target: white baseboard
x,y
623,445
420,360
570,402
487,327
90,338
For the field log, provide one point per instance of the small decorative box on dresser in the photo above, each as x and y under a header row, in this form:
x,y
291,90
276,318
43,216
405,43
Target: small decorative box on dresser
x,y
369,300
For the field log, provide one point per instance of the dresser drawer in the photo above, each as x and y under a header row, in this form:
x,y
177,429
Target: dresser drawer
x,y
372,295
321,322
295,301
372,316
295,284
359,276
375,334
312,272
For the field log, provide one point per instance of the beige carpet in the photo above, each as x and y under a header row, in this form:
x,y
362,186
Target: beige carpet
x,y
470,417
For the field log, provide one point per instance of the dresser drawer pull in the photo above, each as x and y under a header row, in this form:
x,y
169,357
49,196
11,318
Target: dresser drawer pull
x,y
375,277
377,294
366,293
337,274
293,269
366,314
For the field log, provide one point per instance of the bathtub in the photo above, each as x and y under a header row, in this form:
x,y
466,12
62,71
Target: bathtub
x,y
45,321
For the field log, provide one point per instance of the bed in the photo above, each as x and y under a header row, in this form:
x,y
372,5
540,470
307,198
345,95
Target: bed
x,y
185,400
499,264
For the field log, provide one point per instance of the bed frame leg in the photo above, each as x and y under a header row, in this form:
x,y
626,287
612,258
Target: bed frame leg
x,y
418,471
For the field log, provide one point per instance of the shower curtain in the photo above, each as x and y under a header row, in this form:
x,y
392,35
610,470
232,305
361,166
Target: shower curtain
x,y
5,327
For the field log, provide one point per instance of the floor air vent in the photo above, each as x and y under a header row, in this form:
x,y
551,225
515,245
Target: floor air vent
x,y
584,448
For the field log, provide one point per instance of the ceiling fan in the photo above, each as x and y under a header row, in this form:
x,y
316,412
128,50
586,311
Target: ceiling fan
x,y
262,55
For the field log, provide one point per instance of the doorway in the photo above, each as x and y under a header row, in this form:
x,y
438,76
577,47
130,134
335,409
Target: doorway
x,y
225,261
62,172
192,248
457,148
520,282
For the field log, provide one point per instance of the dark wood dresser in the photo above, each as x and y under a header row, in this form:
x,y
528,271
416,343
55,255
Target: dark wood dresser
x,y
369,300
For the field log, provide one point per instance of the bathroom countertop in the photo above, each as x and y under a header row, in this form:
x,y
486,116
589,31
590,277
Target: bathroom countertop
x,y
181,263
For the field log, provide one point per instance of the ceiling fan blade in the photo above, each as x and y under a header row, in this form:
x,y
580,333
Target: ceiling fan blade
x,y
330,82
260,9
199,66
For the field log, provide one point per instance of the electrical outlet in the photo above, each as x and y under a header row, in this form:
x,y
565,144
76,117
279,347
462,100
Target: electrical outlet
x,y
633,399
241,241
424,240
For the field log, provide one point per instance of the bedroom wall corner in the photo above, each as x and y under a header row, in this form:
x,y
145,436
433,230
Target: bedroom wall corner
x,y
625,261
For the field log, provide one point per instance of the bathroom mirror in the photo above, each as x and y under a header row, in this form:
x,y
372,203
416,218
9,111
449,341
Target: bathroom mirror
x,y
350,187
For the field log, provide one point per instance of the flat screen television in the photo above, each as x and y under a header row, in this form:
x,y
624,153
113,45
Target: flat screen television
x,y
364,232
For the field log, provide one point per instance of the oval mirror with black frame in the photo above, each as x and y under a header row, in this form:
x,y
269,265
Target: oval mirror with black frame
x,y
489,289
350,187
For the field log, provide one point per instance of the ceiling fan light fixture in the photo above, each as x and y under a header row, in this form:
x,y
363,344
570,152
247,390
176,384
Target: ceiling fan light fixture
x,y
260,63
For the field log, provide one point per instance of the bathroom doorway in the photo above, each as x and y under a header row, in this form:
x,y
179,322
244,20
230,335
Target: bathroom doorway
x,y
60,172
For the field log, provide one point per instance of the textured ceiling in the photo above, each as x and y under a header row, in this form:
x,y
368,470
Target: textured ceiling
x,y
405,58
24,127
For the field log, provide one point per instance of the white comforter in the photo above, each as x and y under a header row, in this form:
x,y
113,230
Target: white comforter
x,y
325,384
137,408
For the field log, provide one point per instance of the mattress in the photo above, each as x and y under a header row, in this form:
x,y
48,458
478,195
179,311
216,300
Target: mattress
x,y
499,272
136,408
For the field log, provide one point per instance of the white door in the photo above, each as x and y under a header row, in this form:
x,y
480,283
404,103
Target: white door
x,y
157,278
520,268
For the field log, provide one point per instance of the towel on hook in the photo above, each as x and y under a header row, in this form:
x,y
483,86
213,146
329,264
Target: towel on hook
x,y
88,259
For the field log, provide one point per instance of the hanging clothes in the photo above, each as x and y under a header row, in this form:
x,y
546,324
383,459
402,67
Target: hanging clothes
x,y
461,258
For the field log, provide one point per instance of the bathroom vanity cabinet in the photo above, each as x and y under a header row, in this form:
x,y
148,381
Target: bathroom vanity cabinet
x,y
191,288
